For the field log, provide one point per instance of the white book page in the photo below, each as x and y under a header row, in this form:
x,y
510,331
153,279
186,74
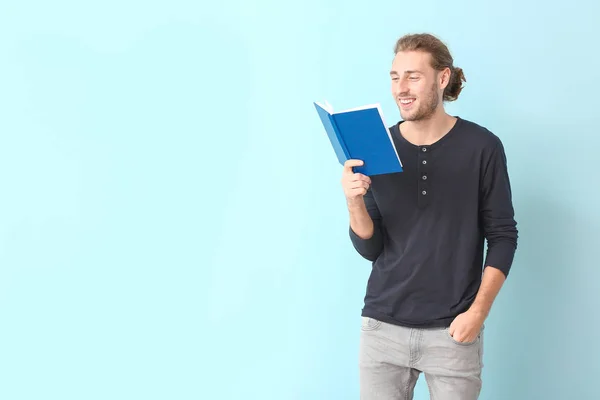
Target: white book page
x,y
389,133
365,107
327,107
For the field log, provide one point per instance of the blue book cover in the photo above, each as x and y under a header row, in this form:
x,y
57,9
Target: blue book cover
x,y
361,133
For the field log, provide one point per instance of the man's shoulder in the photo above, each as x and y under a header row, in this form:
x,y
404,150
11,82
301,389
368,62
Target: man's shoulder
x,y
478,135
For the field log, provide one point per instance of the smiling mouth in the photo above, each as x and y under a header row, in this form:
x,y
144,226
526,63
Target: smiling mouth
x,y
407,102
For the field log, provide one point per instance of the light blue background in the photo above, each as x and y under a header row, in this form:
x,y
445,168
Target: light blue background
x,y
166,183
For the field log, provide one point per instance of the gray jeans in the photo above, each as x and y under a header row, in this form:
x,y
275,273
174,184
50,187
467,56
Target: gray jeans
x,y
392,357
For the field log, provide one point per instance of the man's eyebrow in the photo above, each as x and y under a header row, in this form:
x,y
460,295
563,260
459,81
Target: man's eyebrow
x,y
408,72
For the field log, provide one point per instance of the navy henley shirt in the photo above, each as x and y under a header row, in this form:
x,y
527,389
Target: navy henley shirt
x,y
431,224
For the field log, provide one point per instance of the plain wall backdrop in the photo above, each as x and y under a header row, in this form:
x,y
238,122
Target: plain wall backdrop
x,y
171,220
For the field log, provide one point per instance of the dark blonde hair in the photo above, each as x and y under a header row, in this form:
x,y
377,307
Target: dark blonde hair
x,y
440,59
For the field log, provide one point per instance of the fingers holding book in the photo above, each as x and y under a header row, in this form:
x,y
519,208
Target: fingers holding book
x,y
355,185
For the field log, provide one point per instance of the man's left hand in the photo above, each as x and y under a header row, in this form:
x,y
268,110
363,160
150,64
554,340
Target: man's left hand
x,y
466,326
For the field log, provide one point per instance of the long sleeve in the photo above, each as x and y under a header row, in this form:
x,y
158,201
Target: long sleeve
x,y
500,227
370,248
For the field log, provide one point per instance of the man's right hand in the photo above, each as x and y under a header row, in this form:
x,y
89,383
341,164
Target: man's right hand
x,y
355,184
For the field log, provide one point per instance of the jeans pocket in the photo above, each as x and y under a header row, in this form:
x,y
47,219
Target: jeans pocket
x,y
370,324
469,343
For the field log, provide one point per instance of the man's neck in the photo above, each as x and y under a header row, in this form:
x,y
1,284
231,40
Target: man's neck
x,y
429,131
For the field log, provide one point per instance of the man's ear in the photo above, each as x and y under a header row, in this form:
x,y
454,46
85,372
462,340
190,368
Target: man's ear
x,y
444,77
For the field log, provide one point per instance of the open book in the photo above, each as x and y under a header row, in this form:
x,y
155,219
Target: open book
x,y
361,133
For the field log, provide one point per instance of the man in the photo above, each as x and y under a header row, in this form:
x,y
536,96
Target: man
x,y
431,286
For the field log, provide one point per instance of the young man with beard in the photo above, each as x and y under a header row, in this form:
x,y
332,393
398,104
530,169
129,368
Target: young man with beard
x,y
431,286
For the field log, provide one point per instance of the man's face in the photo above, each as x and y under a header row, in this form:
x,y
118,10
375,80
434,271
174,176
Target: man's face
x,y
415,85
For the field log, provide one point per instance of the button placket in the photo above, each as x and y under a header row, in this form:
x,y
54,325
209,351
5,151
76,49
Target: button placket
x,y
424,192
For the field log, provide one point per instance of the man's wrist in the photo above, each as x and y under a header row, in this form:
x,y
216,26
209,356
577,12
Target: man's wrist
x,y
479,312
355,203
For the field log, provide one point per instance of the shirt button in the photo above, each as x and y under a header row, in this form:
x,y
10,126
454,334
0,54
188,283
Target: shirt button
x,y
424,149
424,161
424,192
424,177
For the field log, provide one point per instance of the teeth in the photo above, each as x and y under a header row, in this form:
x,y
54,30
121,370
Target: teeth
x,y
406,101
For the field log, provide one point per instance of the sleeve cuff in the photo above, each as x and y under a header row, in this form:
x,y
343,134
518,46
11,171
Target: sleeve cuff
x,y
501,256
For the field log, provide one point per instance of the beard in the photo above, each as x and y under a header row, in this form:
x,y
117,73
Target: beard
x,y
427,106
